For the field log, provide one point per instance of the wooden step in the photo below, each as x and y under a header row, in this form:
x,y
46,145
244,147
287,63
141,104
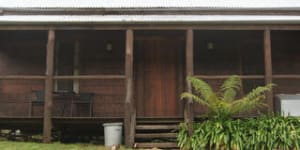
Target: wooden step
x,y
156,135
157,145
157,127
159,121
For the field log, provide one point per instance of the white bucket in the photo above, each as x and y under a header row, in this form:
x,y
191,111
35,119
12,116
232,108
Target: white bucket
x,y
112,133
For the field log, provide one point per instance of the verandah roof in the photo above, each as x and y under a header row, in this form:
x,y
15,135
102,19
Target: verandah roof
x,y
200,4
146,19
38,8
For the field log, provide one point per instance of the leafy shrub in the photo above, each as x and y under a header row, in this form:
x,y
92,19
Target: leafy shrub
x,y
265,132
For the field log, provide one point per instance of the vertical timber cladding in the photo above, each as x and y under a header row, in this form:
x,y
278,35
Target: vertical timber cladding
x,y
188,110
268,66
49,87
129,120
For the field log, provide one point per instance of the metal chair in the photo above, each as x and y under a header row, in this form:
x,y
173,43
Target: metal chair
x,y
84,99
38,97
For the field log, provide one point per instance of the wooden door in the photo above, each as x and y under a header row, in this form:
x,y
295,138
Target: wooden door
x,y
156,77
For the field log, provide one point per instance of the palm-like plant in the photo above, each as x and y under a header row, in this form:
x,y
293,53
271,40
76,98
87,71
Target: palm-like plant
x,y
223,104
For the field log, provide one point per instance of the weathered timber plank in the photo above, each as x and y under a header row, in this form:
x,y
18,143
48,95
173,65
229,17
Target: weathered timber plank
x,y
226,76
158,145
155,135
22,77
156,127
89,77
157,120
286,76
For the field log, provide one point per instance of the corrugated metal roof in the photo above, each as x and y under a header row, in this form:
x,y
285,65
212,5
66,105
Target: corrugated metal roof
x,y
205,4
163,19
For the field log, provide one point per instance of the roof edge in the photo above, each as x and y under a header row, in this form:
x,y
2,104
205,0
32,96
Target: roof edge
x,y
154,9
149,19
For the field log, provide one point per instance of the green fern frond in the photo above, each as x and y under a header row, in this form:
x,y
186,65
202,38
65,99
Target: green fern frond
x,y
193,97
200,86
245,105
230,87
252,100
258,91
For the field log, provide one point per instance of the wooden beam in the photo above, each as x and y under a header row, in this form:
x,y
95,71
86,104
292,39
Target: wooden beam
x,y
268,66
22,77
129,118
286,76
153,27
89,77
49,88
189,107
226,76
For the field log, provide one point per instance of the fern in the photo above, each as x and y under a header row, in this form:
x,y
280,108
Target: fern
x,y
230,87
223,104
194,97
251,100
201,87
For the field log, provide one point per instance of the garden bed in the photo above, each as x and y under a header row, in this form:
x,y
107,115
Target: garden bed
x,y
265,132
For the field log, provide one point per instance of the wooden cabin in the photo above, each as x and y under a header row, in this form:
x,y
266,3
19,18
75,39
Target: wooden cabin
x,y
79,63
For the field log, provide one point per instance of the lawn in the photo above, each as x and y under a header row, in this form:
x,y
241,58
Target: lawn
x,y
8,145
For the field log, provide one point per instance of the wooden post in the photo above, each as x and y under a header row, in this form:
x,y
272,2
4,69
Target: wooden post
x,y
56,63
189,107
268,66
76,66
129,118
49,88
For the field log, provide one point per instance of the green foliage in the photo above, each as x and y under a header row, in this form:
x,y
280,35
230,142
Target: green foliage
x,y
224,103
262,133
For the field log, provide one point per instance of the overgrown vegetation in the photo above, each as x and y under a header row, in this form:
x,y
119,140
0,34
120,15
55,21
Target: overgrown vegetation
x,y
220,131
262,133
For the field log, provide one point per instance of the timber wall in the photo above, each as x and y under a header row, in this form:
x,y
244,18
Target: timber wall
x,y
23,53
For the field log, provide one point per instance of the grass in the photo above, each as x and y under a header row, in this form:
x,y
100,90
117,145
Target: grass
x,y
9,145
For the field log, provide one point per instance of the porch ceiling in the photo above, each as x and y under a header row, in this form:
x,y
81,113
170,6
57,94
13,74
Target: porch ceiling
x,y
146,19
